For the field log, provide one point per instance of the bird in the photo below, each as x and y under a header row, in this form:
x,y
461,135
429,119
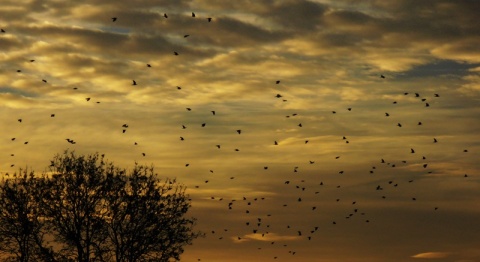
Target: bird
x,y
189,109
149,65
193,14
175,53
165,15
44,80
435,140
382,76
213,112
134,82
52,115
19,120
114,19
412,150
277,82
387,114
88,98
278,96
2,30
209,19
239,131
399,125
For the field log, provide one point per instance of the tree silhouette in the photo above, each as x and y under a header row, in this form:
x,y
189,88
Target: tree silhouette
x,y
94,211
21,229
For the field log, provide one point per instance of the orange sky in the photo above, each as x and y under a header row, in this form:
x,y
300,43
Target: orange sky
x,y
328,55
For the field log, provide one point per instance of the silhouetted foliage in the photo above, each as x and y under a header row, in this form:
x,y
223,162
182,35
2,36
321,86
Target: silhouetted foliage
x,y
94,211
21,228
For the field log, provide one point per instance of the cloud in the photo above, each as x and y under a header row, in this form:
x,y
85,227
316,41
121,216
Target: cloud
x,y
432,255
268,237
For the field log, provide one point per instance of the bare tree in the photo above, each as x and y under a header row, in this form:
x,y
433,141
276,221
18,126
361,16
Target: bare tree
x,y
147,217
94,211
21,229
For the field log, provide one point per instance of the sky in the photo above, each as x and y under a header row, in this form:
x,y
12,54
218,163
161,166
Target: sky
x,y
366,149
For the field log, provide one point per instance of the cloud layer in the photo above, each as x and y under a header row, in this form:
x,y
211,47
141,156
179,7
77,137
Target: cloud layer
x,y
321,168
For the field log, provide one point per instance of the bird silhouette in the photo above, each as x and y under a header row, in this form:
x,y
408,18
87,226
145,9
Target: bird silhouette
x,y
114,19
193,14
134,82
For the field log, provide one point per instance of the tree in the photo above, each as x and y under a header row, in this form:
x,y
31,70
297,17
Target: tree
x,y
95,211
146,218
21,229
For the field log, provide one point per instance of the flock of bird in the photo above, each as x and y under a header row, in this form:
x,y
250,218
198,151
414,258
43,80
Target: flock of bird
x,y
263,225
